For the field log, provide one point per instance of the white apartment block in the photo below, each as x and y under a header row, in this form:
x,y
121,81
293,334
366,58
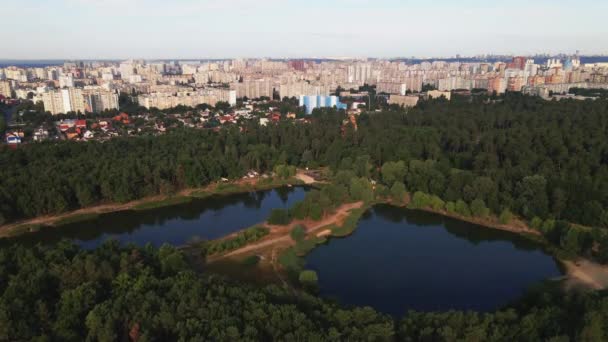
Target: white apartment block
x,y
79,100
187,98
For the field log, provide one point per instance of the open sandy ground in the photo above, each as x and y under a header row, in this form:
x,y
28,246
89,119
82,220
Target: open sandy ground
x,y
585,274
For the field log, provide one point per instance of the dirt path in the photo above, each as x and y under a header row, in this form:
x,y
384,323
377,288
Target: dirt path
x,y
311,226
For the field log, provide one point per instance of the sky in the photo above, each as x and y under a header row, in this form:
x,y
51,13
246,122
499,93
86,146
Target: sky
x,y
196,29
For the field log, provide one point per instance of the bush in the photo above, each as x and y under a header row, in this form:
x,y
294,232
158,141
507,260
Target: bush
x,y
279,217
462,208
298,233
450,207
505,216
436,203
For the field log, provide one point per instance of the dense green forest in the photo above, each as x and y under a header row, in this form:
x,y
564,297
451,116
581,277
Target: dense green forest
x,y
545,161
533,157
63,293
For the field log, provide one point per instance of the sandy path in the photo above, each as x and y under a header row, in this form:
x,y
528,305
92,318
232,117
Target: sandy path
x,y
311,226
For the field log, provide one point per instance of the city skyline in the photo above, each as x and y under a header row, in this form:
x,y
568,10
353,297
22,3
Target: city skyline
x,y
112,29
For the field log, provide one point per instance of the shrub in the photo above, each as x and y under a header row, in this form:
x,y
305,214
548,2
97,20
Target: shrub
x,y
462,208
505,216
450,207
436,203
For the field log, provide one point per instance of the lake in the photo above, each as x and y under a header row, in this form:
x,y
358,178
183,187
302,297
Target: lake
x,y
400,259
210,218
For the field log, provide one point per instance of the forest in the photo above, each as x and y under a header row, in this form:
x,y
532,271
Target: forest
x,y
533,157
114,293
542,160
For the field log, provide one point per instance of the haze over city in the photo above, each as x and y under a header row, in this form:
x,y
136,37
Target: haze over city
x,y
152,29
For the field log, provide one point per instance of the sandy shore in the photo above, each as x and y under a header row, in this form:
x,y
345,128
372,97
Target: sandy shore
x,y
585,274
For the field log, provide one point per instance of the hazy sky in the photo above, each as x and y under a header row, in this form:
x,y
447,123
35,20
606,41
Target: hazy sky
x,y
41,29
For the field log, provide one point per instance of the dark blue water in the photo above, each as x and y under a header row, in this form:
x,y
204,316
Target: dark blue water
x,y
209,218
399,259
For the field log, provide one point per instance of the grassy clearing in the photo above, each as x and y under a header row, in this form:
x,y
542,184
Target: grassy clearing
x,y
75,219
163,203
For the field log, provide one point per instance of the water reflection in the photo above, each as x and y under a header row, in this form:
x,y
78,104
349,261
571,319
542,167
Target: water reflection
x,y
208,218
400,259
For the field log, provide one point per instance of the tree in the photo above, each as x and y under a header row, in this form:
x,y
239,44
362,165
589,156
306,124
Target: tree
x,y
532,198
558,202
298,233
361,190
479,209
420,200
393,172
222,106
571,241
279,217
398,191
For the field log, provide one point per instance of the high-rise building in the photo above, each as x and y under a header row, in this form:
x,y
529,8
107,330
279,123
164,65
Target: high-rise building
x,y
299,65
79,100
6,89
253,89
66,81
518,63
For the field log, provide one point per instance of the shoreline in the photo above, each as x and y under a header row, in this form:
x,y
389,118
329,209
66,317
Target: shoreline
x,y
580,273
32,225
